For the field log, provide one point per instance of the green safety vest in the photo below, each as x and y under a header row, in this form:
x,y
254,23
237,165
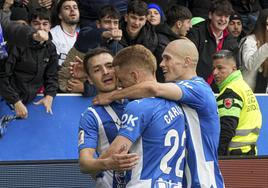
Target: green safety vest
x,y
246,109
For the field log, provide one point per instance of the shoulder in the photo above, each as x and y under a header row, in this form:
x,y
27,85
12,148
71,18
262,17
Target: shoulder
x,y
229,93
55,30
91,114
143,104
250,39
89,30
51,47
196,84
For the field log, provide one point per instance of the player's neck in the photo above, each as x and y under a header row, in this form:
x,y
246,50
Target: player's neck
x,y
188,75
147,78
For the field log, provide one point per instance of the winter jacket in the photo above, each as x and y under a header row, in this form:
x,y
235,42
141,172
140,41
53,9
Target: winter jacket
x,y
252,58
246,6
26,70
89,9
206,45
146,37
199,8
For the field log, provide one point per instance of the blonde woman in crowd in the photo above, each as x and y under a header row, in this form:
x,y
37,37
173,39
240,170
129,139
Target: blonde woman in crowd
x,y
254,50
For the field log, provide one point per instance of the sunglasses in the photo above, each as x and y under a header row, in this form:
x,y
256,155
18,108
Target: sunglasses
x,y
222,54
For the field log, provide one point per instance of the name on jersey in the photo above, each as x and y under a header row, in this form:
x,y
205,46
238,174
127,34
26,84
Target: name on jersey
x,y
172,114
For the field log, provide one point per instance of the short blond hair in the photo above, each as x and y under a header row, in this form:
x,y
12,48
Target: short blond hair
x,y
138,56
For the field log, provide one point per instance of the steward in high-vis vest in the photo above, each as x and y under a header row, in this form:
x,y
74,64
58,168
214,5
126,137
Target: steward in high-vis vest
x,y
239,111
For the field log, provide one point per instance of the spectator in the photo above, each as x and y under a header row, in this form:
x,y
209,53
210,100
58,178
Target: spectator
x,y
27,69
89,9
211,36
249,11
99,124
14,33
235,27
20,15
65,33
199,8
135,28
239,111
178,23
254,52
155,14
106,33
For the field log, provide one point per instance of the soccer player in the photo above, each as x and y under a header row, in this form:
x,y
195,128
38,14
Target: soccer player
x,y
179,63
154,128
99,125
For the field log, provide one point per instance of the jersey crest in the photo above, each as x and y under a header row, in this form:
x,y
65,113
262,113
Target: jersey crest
x,y
228,103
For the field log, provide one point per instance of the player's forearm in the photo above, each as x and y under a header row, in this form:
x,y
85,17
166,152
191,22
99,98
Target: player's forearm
x,y
168,91
141,90
150,89
92,166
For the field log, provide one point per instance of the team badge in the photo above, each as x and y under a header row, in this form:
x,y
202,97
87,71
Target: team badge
x,y
228,103
81,137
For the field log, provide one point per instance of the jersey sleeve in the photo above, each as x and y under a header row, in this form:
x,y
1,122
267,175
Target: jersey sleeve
x,y
192,93
133,122
88,131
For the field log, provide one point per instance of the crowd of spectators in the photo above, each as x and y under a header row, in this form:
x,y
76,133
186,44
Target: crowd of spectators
x,y
55,65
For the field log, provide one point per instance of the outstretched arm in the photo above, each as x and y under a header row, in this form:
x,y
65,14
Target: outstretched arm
x,y
145,89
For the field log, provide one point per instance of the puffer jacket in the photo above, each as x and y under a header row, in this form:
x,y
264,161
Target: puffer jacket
x,y
26,70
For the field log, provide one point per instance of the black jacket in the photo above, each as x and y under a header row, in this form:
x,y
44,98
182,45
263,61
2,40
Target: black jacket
x,y
147,37
90,37
246,6
199,7
26,70
89,8
206,46
165,35
264,4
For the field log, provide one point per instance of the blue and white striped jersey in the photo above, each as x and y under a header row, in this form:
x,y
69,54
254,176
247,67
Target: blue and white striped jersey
x,y
98,128
156,127
203,131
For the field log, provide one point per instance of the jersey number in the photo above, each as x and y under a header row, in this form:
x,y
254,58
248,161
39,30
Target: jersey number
x,y
164,162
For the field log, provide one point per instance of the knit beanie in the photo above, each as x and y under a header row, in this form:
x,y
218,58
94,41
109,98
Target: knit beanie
x,y
19,13
157,7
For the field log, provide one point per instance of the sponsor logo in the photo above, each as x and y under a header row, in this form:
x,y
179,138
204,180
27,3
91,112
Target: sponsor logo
x,y
129,119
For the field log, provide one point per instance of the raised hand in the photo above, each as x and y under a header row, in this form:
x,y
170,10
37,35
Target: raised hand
x,y
76,68
40,36
75,86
